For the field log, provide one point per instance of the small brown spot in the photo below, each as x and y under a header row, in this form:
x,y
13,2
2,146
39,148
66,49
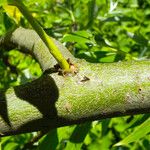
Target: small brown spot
x,y
67,107
85,78
139,90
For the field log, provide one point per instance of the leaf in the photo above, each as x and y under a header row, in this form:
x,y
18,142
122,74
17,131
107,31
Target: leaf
x,y
10,145
83,33
50,141
13,12
8,23
139,38
105,125
138,120
75,38
140,132
82,38
3,2
80,132
78,136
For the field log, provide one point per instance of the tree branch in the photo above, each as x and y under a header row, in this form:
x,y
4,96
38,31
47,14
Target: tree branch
x,y
28,41
97,91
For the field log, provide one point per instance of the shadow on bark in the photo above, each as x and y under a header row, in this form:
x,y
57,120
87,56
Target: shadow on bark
x,y
41,93
3,108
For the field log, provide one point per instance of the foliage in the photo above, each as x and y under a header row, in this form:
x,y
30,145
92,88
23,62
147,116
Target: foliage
x,y
98,31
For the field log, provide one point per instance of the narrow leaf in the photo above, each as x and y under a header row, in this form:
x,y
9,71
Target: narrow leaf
x,y
50,141
13,12
78,136
140,132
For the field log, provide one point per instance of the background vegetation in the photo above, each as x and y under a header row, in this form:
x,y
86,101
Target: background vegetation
x,y
98,31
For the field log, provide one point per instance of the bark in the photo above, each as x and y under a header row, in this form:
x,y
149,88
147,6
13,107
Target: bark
x,y
97,91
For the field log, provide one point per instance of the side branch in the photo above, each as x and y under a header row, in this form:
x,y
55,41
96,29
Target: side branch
x,y
28,41
52,47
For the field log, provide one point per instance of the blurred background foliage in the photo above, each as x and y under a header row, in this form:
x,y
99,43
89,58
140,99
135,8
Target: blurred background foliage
x,y
98,31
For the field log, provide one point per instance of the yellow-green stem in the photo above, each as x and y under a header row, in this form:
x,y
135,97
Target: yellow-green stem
x,y
46,39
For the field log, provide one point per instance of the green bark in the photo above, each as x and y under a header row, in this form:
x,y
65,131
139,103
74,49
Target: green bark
x,y
97,91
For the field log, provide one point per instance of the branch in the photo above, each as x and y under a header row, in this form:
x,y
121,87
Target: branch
x,y
97,91
53,49
28,41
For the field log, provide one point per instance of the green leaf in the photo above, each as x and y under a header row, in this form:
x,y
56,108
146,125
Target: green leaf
x,y
80,132
8,22
82,38
78,136
83,33
50,141
105,125
13,12
75,38
139,38
140,132
138,120
11,145
3,2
